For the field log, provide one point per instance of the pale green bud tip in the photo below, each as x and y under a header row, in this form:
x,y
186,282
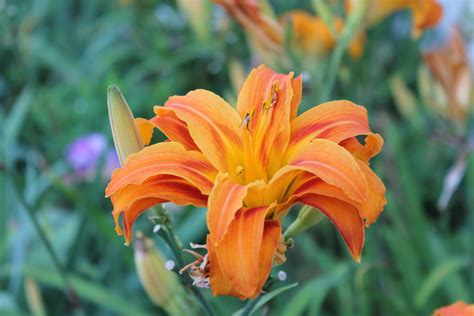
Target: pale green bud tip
x,y
124,131
307,218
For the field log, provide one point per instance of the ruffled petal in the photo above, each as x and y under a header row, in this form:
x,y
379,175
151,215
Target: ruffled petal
x,y
372,147
164,158
221,285
213,125
333,164
225,200
336,121
344,216
133,200
373,206
239,252
174,128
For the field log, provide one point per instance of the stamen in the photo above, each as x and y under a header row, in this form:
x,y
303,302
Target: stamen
x,y
248,116
199,269
279,257
273,96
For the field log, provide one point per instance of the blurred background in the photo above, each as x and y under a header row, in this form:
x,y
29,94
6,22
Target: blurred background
x,y
57,59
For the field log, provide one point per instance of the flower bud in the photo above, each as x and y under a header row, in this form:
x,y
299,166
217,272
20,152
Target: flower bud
x,y
307,218
161,285
124,131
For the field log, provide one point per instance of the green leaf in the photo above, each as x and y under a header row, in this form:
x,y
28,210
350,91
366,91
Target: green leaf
x,y
86,290
315,291
436,277
266,298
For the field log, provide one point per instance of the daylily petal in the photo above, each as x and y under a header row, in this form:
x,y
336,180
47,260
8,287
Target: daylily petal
x,y
164,158
174,128
371,148
239,251
213,124
220,285
264,105
133,200
371,209
145,130
270,240
456,309
333,164
336,121
297,86
344,216
225,200
426,14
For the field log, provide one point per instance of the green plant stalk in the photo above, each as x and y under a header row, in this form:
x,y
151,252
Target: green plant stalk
x,y
251,304
167,234
352,27
71,294
325,13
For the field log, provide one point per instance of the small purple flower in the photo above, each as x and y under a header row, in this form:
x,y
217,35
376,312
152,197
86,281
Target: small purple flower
x,y
85,154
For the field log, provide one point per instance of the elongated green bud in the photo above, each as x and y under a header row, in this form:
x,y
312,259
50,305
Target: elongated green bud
x,y
161,285
124,131
307,218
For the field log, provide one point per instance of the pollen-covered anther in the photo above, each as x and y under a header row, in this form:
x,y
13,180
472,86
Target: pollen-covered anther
x,y
273,96
198,269
279,257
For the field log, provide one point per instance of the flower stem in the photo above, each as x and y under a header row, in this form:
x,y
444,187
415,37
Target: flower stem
x,y
70,292
352,27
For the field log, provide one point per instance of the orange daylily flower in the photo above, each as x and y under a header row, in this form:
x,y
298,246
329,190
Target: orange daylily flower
x,y
248,166
310,34
449,64
426,13
456,309
313,36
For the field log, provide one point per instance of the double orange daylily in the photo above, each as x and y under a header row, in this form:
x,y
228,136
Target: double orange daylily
x,y
248,166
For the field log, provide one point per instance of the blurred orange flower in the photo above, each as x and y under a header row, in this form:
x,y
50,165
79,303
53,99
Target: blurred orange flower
x,y
248,166
310,34
313,36
426,13
449,65
457,309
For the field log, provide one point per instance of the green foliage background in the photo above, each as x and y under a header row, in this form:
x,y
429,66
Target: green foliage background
x,y
57,59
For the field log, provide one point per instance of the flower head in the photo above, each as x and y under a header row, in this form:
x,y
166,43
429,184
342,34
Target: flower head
x,y
310,35
449,65
248,166
425,13
456,309
84,155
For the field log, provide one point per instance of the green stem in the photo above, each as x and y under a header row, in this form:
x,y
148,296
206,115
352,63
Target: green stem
x,y
71,294
352,27
251,304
